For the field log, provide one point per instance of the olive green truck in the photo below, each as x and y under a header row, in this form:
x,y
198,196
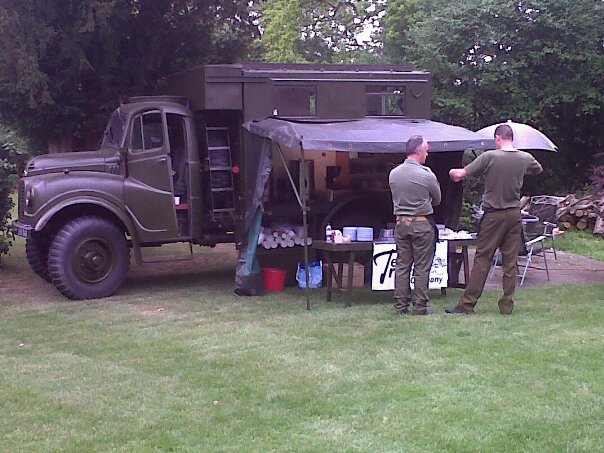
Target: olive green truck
x,y
169,168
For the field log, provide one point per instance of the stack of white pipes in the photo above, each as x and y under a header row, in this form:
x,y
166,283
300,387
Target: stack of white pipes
x,y
282,236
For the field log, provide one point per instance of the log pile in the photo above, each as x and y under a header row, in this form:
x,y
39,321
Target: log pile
x,y
282,236
581,213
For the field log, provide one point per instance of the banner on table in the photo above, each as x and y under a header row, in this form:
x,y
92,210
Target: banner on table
x,y
384,260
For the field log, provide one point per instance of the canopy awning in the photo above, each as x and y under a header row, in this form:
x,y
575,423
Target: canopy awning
x,y
367,135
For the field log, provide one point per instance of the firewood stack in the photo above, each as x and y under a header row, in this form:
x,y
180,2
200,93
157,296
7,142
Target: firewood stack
x,y
581,213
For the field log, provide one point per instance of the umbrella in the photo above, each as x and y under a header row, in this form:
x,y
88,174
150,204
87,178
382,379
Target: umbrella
x,y
525,136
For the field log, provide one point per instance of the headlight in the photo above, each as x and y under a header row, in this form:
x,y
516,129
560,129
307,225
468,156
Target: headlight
x,y
29,196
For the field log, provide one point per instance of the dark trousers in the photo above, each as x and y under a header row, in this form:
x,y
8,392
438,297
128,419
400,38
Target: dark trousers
x,y
498,229
414,246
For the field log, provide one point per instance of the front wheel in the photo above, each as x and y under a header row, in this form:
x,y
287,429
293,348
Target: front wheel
x,y
88,258
36,250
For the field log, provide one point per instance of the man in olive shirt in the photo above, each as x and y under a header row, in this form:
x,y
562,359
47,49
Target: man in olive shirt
x,y
501,225
414,190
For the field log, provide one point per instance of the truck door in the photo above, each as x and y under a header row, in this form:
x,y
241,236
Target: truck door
x,y
148,191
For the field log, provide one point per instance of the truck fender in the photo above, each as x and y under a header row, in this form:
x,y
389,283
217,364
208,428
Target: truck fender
x,y
112,208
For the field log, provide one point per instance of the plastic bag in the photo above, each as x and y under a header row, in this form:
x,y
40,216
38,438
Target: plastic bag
x,y
315,274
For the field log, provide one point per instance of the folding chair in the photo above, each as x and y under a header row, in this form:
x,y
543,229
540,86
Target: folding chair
x,y
531,248
544,207
534,247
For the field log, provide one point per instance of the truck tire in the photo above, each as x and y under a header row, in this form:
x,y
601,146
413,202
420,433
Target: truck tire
x,y
36,250
88,258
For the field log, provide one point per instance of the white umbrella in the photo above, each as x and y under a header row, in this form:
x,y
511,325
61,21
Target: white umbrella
x,y
525,136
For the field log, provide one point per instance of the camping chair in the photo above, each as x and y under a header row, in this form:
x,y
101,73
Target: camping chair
x,y
544,207
531,248
534,248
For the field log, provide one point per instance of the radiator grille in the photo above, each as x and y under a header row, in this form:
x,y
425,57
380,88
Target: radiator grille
x,y
21,197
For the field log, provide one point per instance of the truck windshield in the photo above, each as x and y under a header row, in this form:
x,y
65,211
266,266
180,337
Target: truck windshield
x,y
114,132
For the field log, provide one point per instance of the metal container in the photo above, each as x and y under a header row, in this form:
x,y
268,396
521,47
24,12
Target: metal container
x,y
386,233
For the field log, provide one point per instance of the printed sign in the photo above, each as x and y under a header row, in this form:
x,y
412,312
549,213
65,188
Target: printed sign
x,y
384,260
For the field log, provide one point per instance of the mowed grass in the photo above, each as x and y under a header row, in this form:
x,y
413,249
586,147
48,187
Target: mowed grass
x,y
176,362
583,243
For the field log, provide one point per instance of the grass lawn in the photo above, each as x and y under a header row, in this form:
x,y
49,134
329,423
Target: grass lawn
x,y
177,362
583,243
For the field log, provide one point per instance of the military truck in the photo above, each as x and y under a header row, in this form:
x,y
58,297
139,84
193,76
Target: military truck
x,y
169,168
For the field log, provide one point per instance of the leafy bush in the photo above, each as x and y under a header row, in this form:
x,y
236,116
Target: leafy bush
x,y
13,152
466,220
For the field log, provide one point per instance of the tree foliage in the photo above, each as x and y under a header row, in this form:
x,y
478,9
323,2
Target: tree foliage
x,y
64,65
13,150
315,31
540,62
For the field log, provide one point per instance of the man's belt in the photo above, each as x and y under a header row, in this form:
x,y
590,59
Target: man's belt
x,y
410,218
491,210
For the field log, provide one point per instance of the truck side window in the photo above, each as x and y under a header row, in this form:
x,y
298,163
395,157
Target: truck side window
x,y
296,100
385,100
147,131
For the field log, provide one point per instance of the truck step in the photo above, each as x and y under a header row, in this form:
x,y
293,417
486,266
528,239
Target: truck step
x,y
173,259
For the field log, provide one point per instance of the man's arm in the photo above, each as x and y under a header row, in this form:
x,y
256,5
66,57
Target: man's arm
x,y
434,188
458,174
535,168
477,167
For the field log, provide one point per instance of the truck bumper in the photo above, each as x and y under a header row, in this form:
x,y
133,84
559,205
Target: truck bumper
x,y
20,229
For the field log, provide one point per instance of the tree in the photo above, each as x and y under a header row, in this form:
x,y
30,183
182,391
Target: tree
x,y
540,62
314,31
65,65
13,149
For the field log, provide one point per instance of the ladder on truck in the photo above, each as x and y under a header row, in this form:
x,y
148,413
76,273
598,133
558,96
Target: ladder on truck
x,y
220,165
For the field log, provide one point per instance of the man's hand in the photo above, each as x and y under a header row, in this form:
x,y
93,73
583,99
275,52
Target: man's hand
x,y
457,174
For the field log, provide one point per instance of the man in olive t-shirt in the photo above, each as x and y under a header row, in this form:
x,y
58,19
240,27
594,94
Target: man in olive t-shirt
x,y
415,190
501,225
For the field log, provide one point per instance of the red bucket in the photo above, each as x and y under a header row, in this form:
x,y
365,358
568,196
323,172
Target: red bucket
x,y
274,279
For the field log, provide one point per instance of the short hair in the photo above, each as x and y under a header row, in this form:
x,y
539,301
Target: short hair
x,y
504,131
414,144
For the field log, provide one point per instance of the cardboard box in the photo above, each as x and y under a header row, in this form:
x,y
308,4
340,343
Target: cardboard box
x,y
358,275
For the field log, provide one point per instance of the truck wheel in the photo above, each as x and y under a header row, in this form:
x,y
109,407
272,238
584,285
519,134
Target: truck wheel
x,y
88,259
36,250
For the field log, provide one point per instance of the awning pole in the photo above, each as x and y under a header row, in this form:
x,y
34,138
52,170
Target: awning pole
x,y
304,191
301,197
289,175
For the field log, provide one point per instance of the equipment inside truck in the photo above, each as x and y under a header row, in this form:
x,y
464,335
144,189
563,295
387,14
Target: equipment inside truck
x,y
384,136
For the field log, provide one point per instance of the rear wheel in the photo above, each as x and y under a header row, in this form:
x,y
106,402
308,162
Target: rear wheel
x,y
36,250
89,258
